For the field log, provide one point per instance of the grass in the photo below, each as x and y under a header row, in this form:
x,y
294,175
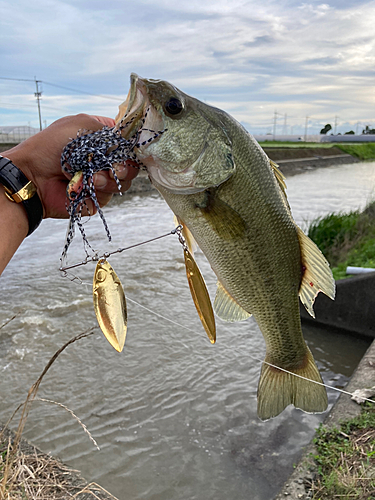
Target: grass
x,y
345,459
346,239
286,144
362,151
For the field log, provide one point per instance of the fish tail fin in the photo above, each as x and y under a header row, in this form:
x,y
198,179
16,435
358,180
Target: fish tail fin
x,y
277,389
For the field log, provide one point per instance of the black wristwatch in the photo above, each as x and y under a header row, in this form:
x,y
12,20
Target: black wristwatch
x,y
19,189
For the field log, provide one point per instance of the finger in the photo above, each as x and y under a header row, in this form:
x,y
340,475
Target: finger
x,y
103,183
125,171
89,207
104,198
104,120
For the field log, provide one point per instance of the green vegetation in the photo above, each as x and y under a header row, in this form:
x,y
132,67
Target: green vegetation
x,y
284,144
346,239
365,151
345,458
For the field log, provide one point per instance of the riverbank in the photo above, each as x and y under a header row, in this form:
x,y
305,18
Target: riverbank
x,y
299,485
294,161
35,475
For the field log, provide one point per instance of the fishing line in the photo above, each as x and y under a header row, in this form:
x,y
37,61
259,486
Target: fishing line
x,y
255,358
177,231
160,316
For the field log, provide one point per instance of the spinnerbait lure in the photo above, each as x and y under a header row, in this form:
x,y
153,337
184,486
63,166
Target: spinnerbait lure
x,y
91,152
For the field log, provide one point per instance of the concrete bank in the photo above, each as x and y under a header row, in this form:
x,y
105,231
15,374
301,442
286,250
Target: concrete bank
x,y
352,310
298,485
293,161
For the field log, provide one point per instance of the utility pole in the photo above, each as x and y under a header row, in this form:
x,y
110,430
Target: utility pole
x,y
306,124
285,129
274,125
38,95
335,129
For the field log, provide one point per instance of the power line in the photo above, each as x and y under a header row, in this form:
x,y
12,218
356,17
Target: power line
x,y
80,91
16,79
59,86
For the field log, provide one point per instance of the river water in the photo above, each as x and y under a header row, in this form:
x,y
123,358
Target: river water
x,y
174,416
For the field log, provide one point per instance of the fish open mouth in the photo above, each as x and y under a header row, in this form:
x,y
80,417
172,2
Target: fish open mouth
x,y
136,113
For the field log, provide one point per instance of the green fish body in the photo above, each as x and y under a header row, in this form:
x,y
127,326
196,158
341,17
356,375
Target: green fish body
x,y
224,189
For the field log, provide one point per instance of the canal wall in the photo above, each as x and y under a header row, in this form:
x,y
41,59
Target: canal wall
x,y
294,161
352,310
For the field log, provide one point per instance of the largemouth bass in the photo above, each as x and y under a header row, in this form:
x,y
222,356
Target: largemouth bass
x,y
224,190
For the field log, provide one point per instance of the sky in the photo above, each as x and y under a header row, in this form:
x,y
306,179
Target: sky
x,y
293,61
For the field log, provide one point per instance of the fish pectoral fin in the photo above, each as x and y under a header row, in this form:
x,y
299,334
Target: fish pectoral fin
x,y
277,389
224,220
227,308
189,238
317,275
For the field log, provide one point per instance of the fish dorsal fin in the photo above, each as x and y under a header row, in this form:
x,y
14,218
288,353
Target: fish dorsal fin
x,y
279,176
227,308
189,238
317,275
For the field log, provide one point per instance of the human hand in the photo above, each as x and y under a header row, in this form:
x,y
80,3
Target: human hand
x,y
39,159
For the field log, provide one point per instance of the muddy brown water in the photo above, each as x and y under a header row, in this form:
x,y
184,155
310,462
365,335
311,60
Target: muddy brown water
x,y
174,416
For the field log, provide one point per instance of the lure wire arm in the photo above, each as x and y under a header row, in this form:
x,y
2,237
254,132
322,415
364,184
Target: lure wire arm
x,y
106,255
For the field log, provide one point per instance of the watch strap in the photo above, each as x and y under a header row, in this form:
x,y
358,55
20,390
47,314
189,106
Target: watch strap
x,y
18,188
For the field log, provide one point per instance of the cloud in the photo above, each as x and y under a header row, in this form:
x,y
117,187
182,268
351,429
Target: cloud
x,y
309,57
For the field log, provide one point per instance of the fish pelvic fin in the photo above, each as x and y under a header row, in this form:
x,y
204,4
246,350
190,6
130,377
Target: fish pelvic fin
x,y
277,389
227,308
317,275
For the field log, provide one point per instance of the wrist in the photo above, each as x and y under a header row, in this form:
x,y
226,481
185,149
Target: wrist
x,y
20,190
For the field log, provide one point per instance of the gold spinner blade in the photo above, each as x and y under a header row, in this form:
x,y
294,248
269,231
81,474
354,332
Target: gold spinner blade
x,y
200,296
110,304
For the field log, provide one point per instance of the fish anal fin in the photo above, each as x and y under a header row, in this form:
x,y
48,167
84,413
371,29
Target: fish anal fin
x,y
277,389
227,308
316,273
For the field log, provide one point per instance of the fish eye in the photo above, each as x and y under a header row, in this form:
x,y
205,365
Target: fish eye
x,y
173,106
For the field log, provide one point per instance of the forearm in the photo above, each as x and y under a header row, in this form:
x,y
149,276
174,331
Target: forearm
x,y
14,227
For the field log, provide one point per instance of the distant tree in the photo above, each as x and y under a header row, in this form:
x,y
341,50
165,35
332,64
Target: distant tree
x,y
351,132
368,130
326,129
